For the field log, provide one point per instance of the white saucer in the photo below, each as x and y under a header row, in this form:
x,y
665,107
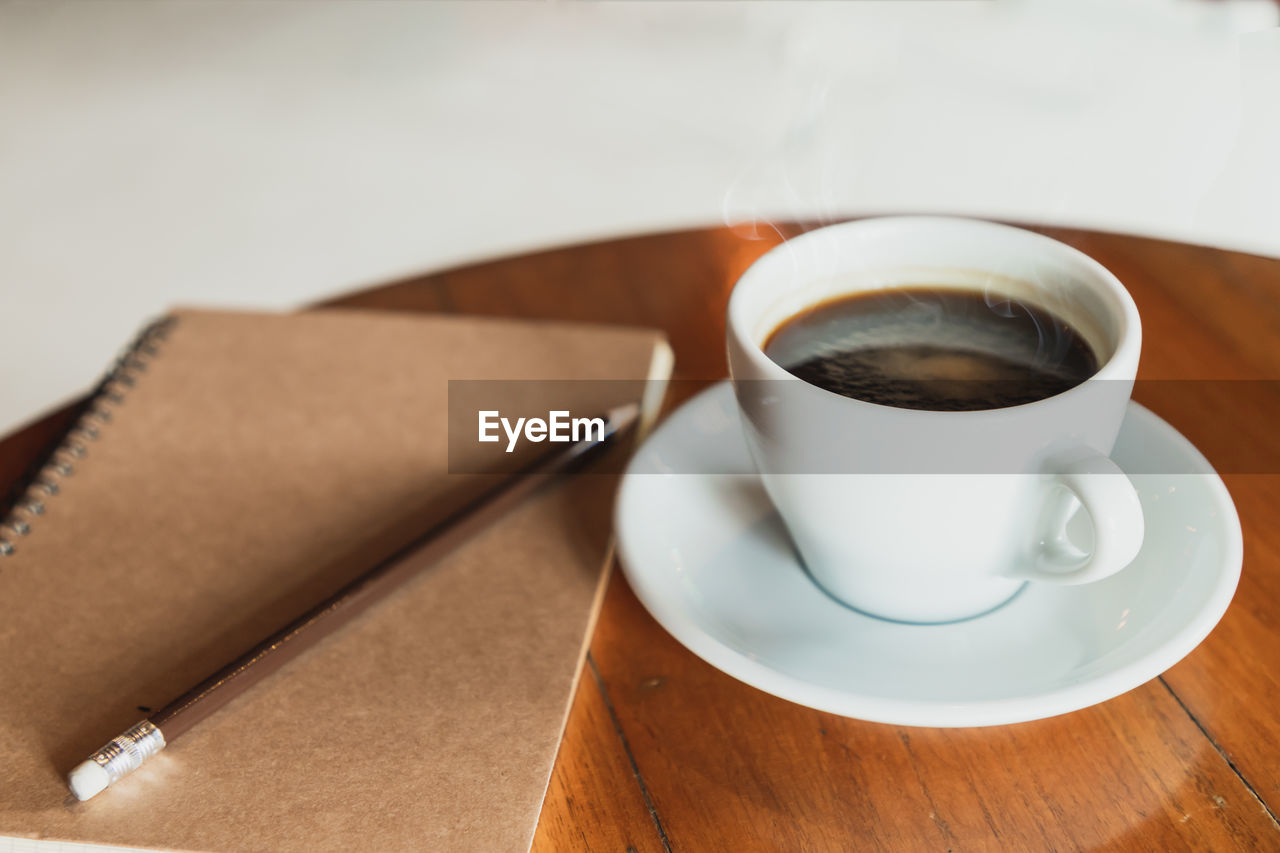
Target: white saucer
x,y
711,561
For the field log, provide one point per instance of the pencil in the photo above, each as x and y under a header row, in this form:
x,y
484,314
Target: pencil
x,y
126,752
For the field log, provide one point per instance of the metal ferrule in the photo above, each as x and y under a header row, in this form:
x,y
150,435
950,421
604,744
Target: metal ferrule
x,y
126,752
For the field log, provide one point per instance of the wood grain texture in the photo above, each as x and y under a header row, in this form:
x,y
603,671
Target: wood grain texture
x,y
665,752
731,768
599,802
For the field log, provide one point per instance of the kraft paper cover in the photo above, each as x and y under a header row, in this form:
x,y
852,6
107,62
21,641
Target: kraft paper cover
x,y
258,463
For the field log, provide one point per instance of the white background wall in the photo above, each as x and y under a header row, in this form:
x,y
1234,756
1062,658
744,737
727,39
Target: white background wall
x,y
270,153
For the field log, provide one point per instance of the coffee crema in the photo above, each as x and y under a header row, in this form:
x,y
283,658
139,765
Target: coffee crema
x,y
933,348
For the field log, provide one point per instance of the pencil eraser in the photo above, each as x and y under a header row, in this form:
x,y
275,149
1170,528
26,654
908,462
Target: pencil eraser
x,y
88,779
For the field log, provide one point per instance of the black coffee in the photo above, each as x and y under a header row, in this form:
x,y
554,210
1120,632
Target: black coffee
x,y
933,348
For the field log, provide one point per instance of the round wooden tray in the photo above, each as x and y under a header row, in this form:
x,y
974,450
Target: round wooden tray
x,y
664,752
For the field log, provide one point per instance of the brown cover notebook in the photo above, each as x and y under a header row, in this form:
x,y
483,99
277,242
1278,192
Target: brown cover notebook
x,y
258,462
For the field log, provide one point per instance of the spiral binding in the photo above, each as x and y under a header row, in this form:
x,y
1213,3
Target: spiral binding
x,y
44,481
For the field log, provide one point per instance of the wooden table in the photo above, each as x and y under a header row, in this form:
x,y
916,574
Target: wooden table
x,y
664,752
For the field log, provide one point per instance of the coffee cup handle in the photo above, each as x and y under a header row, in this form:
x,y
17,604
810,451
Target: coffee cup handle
x,y
1107,495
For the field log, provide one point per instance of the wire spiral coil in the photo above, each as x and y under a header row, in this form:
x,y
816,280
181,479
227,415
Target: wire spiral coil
x,y
44,481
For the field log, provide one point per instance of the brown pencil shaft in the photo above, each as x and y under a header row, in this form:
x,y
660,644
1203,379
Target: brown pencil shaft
x,y
273,652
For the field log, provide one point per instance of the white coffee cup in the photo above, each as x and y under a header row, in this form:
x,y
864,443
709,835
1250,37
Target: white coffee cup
x,y
926,516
